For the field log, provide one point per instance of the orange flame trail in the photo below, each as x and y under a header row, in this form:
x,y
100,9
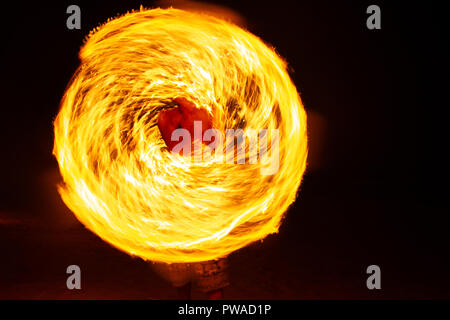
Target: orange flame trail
x,y
119,178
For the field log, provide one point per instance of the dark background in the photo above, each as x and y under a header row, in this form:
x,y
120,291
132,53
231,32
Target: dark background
x,y
375,191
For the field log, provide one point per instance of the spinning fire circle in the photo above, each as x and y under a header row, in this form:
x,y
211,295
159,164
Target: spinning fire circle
x,y
120,179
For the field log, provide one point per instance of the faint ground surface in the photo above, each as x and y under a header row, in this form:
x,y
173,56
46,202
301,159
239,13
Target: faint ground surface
x,y
319,253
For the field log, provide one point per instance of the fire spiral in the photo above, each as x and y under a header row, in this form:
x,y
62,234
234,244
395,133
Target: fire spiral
x,y
119,178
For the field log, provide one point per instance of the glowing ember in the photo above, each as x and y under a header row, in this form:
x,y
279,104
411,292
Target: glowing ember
x,y
120,179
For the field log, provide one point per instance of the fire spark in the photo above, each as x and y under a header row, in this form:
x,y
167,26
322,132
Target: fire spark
x,y
120,179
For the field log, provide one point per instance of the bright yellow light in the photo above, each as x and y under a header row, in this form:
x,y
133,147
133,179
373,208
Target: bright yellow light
x,y
119,178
